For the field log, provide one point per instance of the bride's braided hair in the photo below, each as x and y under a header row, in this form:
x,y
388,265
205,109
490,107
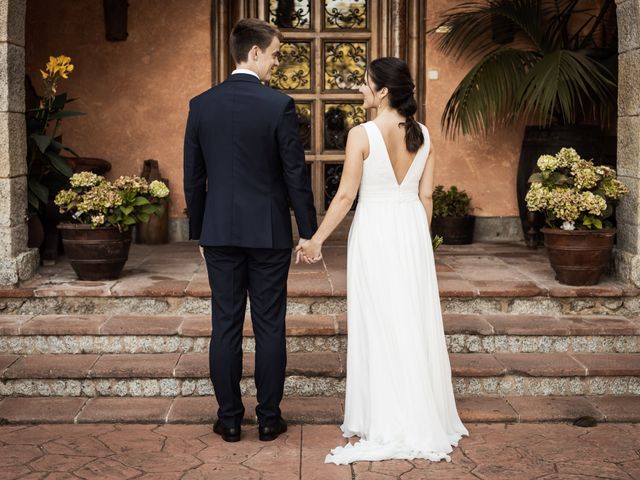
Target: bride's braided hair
x,y
393,73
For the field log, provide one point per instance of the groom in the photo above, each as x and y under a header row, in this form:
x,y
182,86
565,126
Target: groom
x,y
243,162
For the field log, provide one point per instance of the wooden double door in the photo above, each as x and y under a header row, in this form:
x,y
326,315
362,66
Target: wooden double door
x,y
327,46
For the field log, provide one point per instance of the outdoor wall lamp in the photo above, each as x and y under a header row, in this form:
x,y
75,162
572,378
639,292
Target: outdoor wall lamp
x,y
115,19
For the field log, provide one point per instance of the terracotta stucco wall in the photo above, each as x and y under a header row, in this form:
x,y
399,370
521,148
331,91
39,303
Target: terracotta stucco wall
x,y
485,167
135,94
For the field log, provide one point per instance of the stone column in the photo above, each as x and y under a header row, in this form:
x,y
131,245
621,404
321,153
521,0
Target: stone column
x,y
627,256
17,262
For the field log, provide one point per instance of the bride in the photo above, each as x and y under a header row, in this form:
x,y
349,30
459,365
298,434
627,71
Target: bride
x,y
399,395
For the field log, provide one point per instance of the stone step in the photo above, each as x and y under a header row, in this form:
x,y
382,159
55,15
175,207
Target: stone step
x,y
312,374
199,410
474,333
498,300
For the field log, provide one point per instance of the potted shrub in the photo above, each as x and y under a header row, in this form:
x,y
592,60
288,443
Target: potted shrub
x,y
548,63
97,241
452,218
577,199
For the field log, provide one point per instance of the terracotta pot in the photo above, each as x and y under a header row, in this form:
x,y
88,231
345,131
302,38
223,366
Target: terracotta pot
x,y
454,230
578,256
95,253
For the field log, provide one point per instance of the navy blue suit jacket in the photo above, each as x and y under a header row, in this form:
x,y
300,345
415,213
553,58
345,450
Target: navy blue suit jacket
x,y
242,159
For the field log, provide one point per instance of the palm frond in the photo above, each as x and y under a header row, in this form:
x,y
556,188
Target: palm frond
x,y
486,97
589,38
561,84
557,14
469,23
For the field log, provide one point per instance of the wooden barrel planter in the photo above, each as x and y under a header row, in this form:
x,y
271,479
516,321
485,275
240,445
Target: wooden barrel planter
x,y
95,253
578,256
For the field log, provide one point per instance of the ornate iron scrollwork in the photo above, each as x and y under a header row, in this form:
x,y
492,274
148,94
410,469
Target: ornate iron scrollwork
x,y
332,176
304,123
344,64
343,14
339,118
290,13
294,71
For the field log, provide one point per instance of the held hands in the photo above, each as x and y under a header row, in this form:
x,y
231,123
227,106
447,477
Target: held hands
x,y
308,250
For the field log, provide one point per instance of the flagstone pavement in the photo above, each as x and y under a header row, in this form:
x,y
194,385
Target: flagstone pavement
x,y
492,452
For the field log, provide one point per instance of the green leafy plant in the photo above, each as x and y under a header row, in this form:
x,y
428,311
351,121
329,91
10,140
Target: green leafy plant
x,y
44,142
121,203
451,202
436,241
573,193
558,64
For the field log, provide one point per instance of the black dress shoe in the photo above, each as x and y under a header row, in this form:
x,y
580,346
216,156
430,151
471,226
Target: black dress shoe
x,y
228,434
266,434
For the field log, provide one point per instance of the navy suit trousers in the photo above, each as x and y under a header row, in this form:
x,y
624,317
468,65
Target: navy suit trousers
x,y
262,273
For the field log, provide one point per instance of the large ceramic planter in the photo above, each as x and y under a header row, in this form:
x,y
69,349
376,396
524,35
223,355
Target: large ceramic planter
x,y
95,253
454,230
578,256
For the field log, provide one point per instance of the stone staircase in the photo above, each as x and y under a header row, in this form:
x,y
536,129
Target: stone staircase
x,y
135,350
93,361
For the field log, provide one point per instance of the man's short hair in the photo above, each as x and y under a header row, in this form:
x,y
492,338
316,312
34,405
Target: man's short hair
x,y
249,32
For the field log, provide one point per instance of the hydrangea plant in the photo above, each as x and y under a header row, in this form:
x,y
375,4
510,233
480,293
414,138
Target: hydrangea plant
x,y
124,202
573,193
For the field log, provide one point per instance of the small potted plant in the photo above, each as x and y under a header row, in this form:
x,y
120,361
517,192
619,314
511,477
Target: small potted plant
x,y
452,218
97,241
576,199
47,170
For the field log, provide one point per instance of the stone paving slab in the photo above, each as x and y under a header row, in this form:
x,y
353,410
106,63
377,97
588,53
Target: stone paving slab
x,y
500,451
484,269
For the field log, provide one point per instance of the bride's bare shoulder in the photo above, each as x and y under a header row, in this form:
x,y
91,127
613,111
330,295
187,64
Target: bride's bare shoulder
x,y
358,141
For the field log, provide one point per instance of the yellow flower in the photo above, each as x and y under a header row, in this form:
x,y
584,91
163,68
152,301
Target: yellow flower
x,y
52,65
60,64
45,75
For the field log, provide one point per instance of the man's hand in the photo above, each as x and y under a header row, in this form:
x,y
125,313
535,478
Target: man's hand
x,y
201,251
311,251
299,249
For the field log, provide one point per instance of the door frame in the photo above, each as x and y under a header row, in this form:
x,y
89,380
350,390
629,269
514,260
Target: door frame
x,y
403,25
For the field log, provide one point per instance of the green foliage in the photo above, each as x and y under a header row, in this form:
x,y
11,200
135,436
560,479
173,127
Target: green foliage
x,y
46,168
436,241
450,203
559,66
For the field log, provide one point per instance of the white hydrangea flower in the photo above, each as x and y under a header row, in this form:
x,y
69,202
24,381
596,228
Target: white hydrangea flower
x,y
158,189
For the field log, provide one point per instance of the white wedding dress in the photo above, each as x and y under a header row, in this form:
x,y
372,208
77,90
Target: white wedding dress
x,y
399,395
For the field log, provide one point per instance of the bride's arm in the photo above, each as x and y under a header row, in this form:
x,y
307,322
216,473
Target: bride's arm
x,y
426,186
356,151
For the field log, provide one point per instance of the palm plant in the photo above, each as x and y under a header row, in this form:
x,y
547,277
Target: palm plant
x,y
558,66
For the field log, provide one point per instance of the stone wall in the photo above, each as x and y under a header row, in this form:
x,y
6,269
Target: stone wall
x,y
627,255
16,261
